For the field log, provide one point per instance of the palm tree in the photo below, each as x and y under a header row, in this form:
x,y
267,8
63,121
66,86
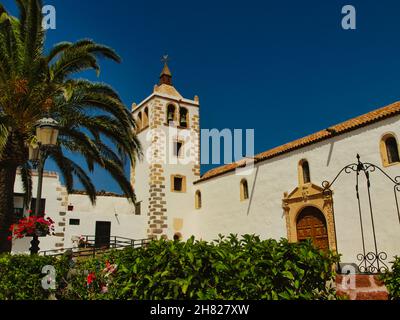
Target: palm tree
x,y
34,85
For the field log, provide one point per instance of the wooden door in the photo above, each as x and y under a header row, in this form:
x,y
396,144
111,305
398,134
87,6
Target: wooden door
x,y
311,224
103,234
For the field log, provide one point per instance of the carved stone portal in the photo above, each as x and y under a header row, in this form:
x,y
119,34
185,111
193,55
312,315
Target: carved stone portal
x,y
308,195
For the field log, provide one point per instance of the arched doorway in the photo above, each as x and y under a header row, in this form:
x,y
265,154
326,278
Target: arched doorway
x,y
311,224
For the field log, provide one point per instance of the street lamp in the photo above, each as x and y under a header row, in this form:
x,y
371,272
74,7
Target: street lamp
x,y
46,136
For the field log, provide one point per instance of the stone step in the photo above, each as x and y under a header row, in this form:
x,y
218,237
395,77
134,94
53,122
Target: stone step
x,y
361,287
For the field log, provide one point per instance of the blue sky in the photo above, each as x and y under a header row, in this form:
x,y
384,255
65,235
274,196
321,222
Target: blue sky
x,y
284,68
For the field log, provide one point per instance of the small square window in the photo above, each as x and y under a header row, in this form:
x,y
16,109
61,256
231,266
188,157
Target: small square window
x,y
74,222
178,149
178,183
138,208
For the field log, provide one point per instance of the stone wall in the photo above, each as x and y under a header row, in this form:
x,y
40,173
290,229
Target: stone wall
x,y
157,210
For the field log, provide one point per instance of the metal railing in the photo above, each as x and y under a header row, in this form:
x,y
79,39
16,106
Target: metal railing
x,y
93,245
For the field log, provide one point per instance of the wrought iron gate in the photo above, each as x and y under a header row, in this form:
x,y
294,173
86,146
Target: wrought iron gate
x,y
369,261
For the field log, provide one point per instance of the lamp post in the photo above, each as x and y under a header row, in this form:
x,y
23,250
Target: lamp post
x,y
46,135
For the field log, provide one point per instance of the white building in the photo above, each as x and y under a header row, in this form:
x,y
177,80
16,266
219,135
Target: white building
x,y
281,197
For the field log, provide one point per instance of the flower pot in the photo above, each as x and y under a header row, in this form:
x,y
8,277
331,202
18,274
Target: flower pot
x,y
38,233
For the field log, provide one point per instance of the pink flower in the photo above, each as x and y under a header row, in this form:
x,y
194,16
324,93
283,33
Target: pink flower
x,y
104,289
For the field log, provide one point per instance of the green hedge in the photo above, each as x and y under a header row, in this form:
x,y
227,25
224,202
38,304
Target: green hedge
x,y
392,280
228,268
21,276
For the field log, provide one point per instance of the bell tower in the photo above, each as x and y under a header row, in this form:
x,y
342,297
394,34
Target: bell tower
x,y
168,127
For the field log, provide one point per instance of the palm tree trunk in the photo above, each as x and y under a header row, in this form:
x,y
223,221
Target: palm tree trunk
x,y
7,179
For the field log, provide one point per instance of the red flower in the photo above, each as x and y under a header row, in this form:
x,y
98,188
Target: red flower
x,y
90,278
30,225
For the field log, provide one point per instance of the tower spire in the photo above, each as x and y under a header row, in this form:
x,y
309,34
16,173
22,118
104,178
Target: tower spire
x,y
166,76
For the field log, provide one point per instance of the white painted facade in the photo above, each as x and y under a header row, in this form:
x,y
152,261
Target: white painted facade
x,y
62,208
53,192
116,210
222,211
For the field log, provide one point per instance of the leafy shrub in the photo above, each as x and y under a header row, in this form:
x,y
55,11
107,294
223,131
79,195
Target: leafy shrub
x,y
21,276
226,269
392,280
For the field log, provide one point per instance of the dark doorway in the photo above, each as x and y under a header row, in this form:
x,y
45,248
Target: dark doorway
x,y
103,234
311,224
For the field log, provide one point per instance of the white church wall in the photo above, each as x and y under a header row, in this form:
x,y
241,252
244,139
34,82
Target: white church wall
x,y
51,191
222,211
117,210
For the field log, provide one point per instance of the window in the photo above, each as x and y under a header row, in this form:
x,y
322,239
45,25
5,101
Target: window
x,y
42,207
178,149
392,150
244,190
74,222
139,122
184,118
389,150
198,199
138,208
304,172
178,183
171,114
146,118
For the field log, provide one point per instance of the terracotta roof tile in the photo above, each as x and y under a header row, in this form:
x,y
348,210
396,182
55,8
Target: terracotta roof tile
x,y
349,125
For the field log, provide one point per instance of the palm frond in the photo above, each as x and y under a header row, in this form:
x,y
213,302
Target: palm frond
x,y
98,50
94,121
66,171
119,176
69,169
58,49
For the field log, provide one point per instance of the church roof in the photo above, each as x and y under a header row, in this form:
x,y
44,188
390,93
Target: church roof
x,y
349,125
167,90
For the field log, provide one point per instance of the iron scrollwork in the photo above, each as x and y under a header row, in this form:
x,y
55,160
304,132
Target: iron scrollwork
x,y
374,261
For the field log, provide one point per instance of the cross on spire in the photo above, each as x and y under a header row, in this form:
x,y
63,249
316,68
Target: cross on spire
x,y
165,59
166,76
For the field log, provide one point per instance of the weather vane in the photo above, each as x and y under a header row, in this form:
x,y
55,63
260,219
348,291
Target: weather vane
x,y
165,58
